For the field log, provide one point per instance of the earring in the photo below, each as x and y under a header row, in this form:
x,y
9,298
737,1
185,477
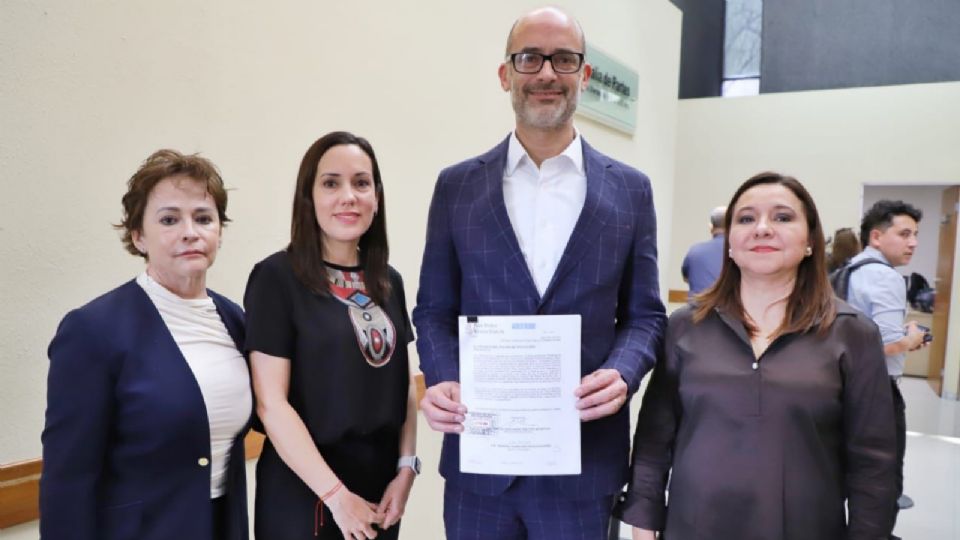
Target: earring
x,y
730,253
808,251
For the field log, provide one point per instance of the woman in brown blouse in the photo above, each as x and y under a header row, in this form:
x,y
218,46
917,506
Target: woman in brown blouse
x,y
771,402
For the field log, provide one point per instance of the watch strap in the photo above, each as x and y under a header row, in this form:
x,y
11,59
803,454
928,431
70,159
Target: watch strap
x,y
409,461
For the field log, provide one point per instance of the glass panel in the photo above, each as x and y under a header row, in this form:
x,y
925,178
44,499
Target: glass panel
x,y
741,48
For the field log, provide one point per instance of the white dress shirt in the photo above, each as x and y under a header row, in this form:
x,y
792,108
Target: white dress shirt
x,y
218,366
544,204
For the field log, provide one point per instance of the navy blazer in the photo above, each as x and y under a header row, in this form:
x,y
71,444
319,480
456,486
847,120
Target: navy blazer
x,y
472,265
126,429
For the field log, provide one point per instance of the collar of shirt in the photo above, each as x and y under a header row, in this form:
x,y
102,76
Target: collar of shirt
x,y
517,155
872,253
544,204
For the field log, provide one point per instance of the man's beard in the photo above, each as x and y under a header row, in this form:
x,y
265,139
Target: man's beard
x,y
545,117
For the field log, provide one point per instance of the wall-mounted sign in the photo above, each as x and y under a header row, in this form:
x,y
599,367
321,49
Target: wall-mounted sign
x,y
611,94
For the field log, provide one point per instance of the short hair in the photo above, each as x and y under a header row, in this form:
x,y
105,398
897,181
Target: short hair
x,y
880,216
716,217
161,165
306,239
583,38
810,304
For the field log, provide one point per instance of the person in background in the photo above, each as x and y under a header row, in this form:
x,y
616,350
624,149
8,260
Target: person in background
x,y
542,224
845,245
701,265
888,233
327,331
770,403
148,393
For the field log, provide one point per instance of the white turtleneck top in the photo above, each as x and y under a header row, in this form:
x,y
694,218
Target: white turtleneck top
x,y
218,366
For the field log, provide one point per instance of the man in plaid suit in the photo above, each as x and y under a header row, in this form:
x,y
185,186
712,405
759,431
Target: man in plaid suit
x,y
542,224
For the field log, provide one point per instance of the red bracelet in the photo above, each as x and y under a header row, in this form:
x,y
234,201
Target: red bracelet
x,y
333,490
318,510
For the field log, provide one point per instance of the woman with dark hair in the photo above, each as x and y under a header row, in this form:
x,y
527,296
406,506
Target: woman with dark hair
x,y
148,394
328,334
770,402
844,246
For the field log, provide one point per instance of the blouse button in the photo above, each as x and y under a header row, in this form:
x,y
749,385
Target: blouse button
x,y
756,366
203,462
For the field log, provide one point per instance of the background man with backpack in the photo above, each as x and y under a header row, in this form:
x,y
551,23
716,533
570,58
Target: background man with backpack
x,y
888,233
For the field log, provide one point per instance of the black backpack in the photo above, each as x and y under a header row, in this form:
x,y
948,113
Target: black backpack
x,y
840,278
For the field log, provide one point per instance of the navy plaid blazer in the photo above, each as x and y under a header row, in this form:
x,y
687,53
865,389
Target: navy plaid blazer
x,y
472,265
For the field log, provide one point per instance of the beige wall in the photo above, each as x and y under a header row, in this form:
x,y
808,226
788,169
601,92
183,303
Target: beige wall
x,y
833,141
89,89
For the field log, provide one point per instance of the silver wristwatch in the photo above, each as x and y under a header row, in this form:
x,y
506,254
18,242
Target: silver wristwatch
x,y
409,461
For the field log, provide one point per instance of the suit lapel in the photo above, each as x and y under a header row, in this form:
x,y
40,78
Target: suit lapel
x,y
495,218
597,208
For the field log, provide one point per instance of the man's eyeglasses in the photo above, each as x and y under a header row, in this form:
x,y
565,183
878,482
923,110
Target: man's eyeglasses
x,y
531,62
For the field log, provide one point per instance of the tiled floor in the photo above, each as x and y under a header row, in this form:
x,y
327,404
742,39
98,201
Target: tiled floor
x,y
932,469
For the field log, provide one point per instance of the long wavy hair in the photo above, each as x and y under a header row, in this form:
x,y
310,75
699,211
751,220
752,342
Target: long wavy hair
x,y
810,304
306,238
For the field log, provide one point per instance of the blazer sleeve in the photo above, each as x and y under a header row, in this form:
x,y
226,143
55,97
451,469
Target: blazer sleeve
x,y
640,313
438,298
869,432
80,388
644,503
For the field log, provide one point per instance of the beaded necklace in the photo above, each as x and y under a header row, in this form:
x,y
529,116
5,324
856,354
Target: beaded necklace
x,y
376,335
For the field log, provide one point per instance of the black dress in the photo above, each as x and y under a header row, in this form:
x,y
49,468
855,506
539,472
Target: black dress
x,y
353,405
767,450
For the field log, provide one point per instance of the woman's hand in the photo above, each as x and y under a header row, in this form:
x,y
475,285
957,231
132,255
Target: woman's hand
x,y
354,516
395,497
643,534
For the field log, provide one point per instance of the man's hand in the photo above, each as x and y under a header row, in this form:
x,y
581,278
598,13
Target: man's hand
x,y
601,394
916,336
442,408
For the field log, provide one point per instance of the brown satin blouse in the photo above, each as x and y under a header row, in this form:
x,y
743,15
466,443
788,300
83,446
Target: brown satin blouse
x,y
766,449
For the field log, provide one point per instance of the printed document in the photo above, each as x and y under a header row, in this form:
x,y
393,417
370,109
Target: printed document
x,y
517,378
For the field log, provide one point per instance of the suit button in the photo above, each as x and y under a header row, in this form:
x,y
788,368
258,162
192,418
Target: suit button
x,y
203,462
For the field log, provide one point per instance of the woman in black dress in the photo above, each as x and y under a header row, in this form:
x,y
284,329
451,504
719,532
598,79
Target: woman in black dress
x,y
327,334
771,401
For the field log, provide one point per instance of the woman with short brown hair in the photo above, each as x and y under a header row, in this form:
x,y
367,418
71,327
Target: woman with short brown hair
x,y
148,393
